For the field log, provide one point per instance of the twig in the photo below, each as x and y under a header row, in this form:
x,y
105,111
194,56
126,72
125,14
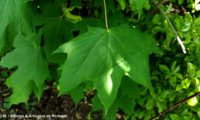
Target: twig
x,y
172,27
174,106
105,13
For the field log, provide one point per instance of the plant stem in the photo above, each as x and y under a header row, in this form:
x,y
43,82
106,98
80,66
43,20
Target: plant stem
x,y
175,106
172,28
105,13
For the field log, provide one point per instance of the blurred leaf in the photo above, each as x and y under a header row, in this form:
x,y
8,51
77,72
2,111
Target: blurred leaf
x,y
139,4
172,95
198,74
198,113
179,75
179,87
180,2
193,101
174,117
161,106
173,67
164,68
122,4
150,104
165,94
69,16
173,81
156,19
191,69
185,83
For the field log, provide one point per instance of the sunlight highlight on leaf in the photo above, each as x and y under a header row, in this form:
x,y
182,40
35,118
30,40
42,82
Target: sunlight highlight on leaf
x,y
108,84
192,102
123,64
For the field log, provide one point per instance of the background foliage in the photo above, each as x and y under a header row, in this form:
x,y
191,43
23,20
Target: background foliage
x,y
36,34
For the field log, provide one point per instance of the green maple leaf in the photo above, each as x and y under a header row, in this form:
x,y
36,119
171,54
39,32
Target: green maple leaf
x,y
54,28
13,18
104,57
31,72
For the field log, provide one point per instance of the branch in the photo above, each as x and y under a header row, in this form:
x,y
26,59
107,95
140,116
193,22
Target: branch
x,y
175,106
105,13
172,28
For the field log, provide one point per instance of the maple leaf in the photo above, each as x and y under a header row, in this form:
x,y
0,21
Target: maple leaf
x,y
54,28
14,18
104,56
31,72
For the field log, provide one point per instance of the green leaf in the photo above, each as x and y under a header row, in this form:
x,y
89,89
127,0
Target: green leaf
x,y
157,19
191,69
122,4
198,74
54,29
96,104
123,103
165,94
77,94
179,87
128,90
198,113
149,105
104,56
161,106
172,96
128,87
139,4
69,16
193,101
174,117
173,81
164,68
180,2
13,19
107,86
112,114
186,83
32,69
